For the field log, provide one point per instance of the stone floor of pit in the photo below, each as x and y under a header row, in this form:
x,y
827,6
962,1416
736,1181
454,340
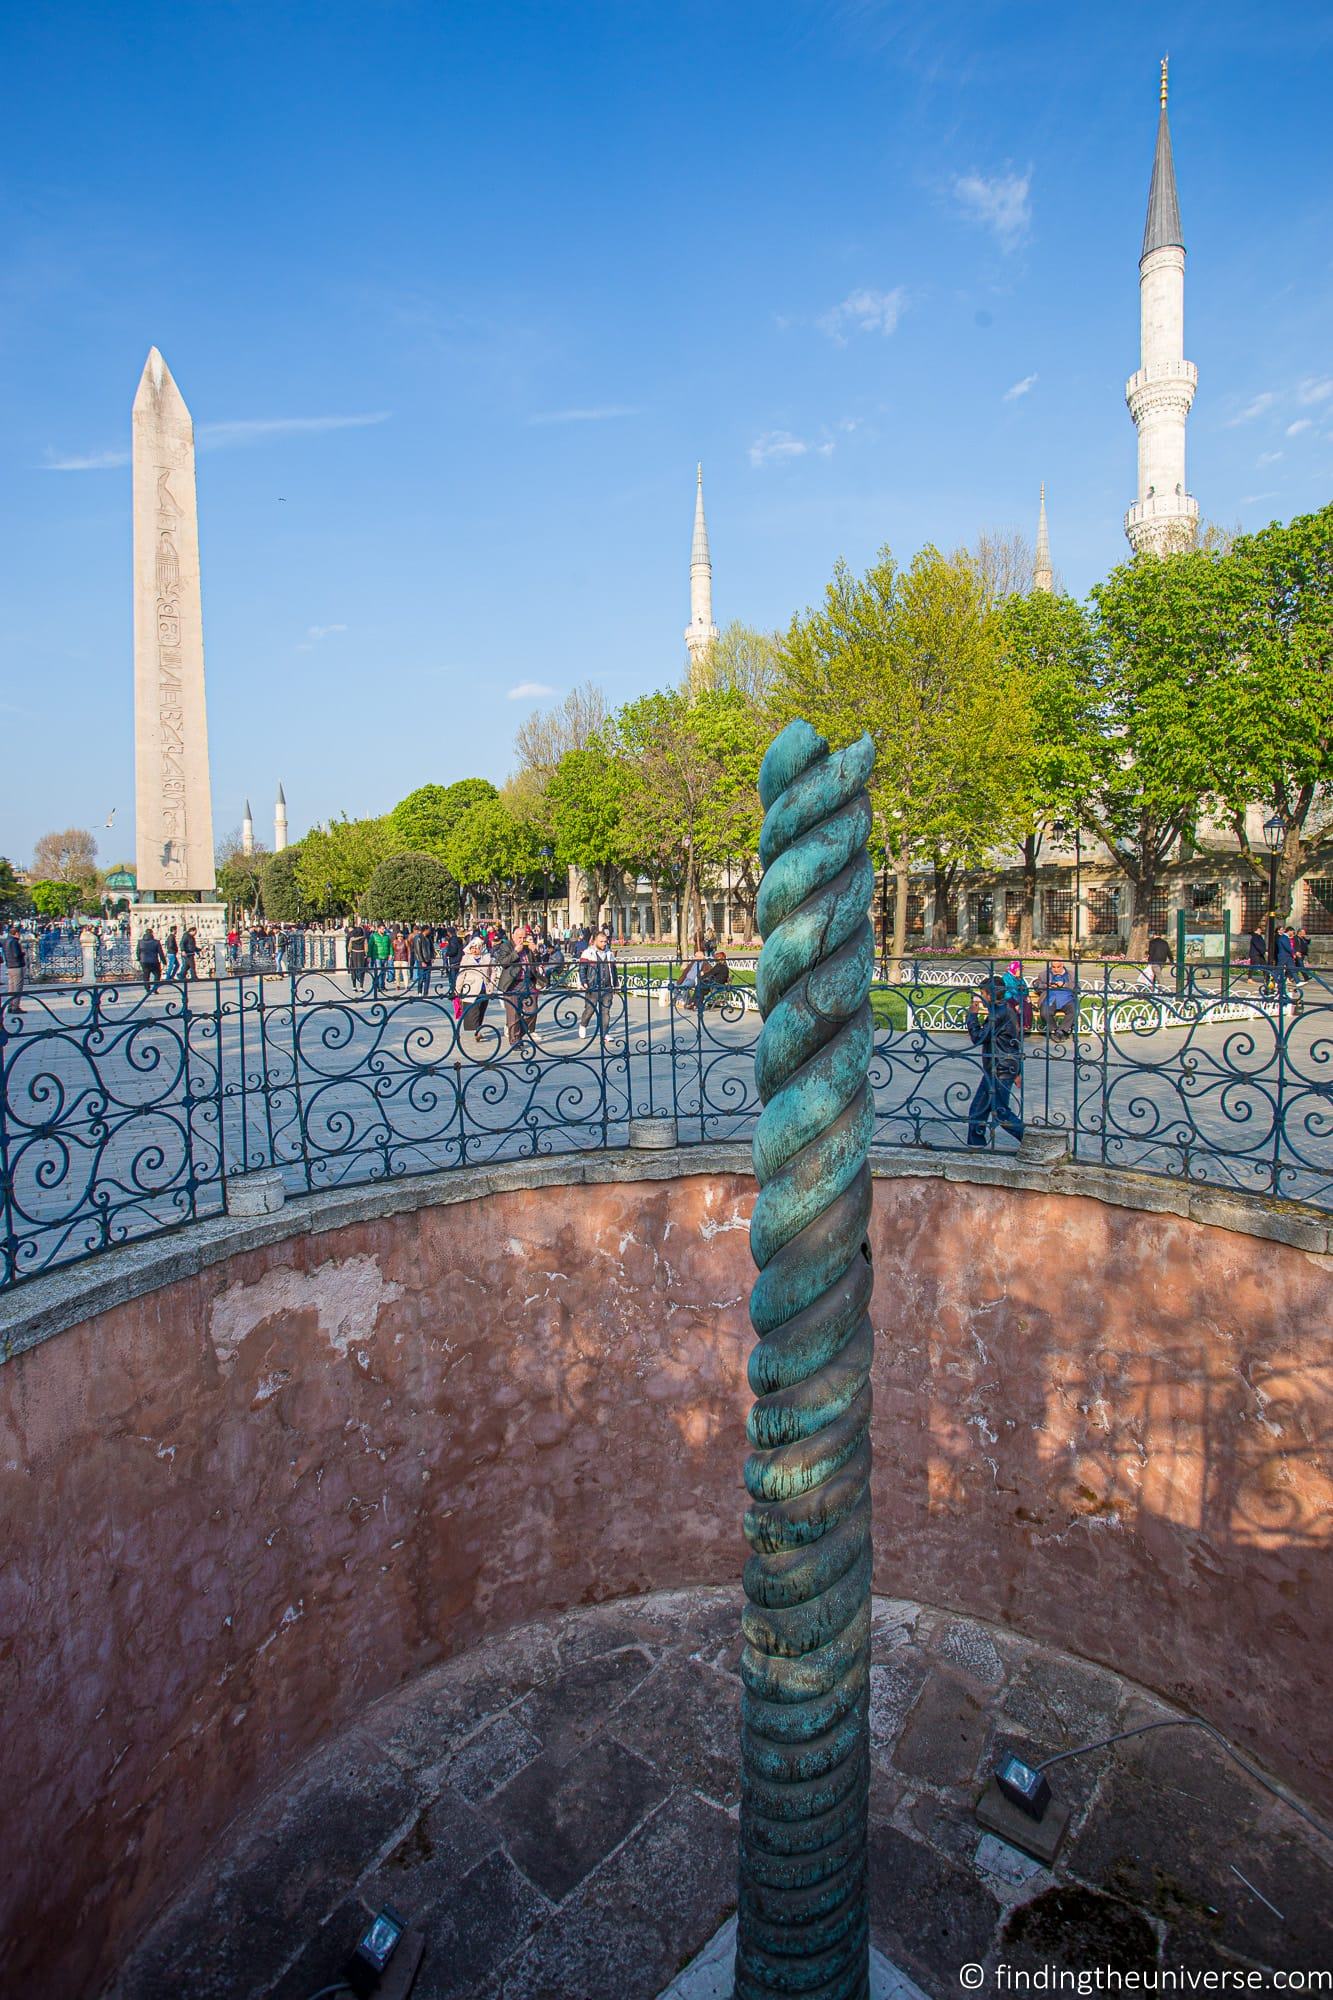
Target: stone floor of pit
x,y
557,1812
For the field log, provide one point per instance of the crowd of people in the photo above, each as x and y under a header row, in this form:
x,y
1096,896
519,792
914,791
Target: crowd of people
x,y
487,964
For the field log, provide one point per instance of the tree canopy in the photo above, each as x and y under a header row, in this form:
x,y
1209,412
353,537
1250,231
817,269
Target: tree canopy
x,y
425,819
410,888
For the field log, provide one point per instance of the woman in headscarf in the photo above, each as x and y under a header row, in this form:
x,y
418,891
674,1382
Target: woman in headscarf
x,y
475,975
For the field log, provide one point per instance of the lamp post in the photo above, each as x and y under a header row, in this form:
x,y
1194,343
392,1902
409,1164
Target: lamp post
x,y
1275,834
884,912
548,855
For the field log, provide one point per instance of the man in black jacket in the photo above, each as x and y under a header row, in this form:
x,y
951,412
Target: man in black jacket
x,y
15,964
149,954
993,1027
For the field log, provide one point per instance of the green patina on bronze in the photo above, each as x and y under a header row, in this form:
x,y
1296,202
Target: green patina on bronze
x,y
806,1663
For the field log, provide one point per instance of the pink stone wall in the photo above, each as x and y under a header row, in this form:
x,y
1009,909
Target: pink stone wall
x,y
238,1509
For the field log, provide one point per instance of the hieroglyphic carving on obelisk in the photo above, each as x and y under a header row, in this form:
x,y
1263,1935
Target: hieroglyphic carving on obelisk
x,y
173,804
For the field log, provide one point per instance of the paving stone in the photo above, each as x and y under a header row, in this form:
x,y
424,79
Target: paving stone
x,y
568,1710
1154,1847
894,1688
606,1628
646,1913
1190,1762
926,1915
559,1819
944,1735
1064,1702
970,1646
685,1721
476,1930
1077,1928
419,1725
1007,1866
893,1621
447,1841
295,1861
492,1757
324,1954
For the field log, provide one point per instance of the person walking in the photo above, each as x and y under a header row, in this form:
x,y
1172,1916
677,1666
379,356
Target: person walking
x,y
422,945
597,977
994,1028
1159,959
474,985
149,954
1259,961
15,966
357,955
1288,966
173,954
189,955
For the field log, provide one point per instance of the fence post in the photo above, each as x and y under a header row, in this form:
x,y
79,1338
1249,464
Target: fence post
x,y
805,1669
1180,954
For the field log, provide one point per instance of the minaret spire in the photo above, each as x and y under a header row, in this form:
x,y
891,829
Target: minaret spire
x,y
280,821
1043,577
701,631
1165,516
248,830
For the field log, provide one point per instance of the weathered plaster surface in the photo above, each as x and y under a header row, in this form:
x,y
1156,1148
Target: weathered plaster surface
x,y
245,1502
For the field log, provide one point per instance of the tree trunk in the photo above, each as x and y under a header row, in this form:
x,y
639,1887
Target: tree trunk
x,y
1027,916
939,925
656,889
1141,891
900,881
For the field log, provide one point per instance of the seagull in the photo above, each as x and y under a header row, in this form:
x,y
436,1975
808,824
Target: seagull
x,y
111,815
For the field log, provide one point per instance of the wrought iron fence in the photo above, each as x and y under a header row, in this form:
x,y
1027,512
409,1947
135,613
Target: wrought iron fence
x,y
124,1112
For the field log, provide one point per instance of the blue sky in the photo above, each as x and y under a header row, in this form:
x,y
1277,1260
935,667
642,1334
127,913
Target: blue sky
x,y
457,295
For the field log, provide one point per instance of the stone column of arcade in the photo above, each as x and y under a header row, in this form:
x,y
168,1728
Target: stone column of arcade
x,y
802,1915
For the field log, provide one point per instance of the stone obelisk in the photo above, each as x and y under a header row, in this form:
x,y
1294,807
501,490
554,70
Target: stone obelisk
x,y
173,804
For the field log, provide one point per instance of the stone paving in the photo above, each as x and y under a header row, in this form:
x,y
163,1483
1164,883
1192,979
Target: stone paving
x,y
557,1812
350,1090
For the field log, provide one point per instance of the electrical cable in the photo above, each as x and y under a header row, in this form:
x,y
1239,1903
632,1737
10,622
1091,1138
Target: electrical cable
x,y
1193,1722
338,1986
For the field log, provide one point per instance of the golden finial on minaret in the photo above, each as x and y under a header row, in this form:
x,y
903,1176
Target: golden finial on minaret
x,y
1165,61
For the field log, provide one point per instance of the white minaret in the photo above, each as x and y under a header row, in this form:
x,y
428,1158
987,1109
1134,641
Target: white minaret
x,y
1043,576
1165,516
701,631
248,831
279,822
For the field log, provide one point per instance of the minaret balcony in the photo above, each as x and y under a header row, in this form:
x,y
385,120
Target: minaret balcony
x,y
1176,373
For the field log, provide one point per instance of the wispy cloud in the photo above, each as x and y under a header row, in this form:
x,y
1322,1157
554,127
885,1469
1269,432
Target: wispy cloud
x,y
1301,424
313,635
599,414
90,461
253,430
1000,202
864,311
1019,389
1316,391
771,446
530,691
1268,458
1263,401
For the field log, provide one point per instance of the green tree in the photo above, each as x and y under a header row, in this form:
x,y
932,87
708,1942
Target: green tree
x,y
424,820
280,886
240,877
13,897
1048,642
1269,707
585,798
411,888
57,899
914,657
740,660
491,852
1162,632
337,861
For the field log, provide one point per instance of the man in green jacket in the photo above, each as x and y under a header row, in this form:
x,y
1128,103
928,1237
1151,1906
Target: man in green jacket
x,y
378,948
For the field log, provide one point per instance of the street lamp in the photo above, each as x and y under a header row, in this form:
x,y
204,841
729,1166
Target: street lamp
x,y
1275,834
548,855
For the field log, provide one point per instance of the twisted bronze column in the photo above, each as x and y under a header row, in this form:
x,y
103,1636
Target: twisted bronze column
x,y
803,1925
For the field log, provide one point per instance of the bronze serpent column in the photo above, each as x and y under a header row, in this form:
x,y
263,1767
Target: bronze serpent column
x,y
802,1925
